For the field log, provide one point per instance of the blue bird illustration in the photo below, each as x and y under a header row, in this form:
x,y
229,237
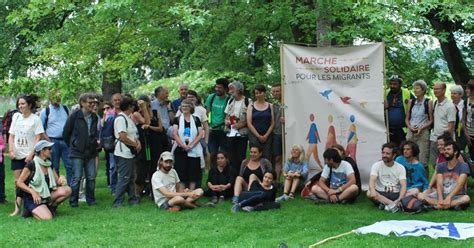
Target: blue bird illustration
x,y
325,93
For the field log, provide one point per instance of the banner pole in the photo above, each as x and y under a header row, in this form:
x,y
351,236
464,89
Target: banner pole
x,y
282,106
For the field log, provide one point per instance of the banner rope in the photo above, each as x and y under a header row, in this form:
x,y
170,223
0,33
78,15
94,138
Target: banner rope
x,y
331,238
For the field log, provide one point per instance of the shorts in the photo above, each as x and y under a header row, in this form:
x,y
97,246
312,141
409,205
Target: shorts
x,y
165,205
389,195
18,164
277,145
30,205
434,195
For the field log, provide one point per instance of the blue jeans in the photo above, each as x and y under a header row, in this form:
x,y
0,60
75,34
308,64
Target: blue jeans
x,y
113,172
78,167
61,150
126,182
217,141
251,198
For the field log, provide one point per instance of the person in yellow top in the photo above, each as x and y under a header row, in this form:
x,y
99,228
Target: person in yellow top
x,y
396,104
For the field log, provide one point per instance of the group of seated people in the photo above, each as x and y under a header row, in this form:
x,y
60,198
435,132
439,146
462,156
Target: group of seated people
x,y
254,188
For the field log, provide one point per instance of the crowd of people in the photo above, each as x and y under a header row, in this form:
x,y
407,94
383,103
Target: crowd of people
x,y
159,148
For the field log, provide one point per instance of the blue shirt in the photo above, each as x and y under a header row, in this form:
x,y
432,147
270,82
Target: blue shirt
x,y
56,121
416,176
163,111
302,168
396,111
175,104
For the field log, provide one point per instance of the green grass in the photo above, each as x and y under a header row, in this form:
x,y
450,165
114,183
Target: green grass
x,y
298,223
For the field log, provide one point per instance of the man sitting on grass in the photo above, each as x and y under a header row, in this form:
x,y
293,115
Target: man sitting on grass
x,y
341,187
451,179
387,183
164,182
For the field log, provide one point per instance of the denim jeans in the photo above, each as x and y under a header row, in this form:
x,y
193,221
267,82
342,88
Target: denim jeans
x,y
113,172
251,198
217,141
126,182
78,167
61,150
2,179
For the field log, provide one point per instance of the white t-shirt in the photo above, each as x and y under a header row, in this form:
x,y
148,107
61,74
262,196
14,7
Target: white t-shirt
x,y
388,178
444,113
339,176
199,111
25,130
121,149
167,180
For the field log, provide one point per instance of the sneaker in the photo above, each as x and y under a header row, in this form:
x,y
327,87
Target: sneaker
x,y
174,209
235,199
235,208
214,199
291,196
381,206
134,201
248,209
82,198
221,199
282,198
311,197
391,208
117,205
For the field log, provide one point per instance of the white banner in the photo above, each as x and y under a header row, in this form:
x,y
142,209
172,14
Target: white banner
x,y
459,231
335,95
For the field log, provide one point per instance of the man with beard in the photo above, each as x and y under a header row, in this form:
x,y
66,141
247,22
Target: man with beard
x,y
451,180
167,194
387,183
215,106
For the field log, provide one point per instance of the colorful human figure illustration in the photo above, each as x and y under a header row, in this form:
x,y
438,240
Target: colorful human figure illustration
x,y
331,139
351,148
313,140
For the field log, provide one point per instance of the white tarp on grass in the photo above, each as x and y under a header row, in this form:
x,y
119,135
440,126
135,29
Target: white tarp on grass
x,y
459,231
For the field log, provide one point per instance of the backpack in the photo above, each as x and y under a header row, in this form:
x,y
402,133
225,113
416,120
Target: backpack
x,y
411,205
107,136
425,104
7,122
47,115
469,162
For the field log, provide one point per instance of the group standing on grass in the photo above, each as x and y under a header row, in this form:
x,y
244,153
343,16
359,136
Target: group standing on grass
x,y
158,148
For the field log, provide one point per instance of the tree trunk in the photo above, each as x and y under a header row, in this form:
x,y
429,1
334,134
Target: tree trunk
x,y
456,65
323,23
111,84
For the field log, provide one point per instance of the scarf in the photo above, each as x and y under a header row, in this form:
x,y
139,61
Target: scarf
x,y
196,151
38,183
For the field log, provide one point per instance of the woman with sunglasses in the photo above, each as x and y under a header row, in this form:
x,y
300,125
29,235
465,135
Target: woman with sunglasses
x,y
43,190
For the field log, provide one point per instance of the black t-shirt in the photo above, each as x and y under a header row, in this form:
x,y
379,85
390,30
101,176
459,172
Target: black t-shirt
x,y
221,178
247,172
188,124
269,194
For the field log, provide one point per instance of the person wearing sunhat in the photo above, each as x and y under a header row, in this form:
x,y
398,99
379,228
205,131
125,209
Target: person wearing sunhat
x,y
43,189
166,190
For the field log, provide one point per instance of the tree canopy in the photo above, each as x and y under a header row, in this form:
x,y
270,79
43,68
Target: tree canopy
x,y
113,46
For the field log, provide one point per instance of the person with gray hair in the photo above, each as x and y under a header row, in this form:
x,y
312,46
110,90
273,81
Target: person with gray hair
x,y
457,93
183,93
419,119
236,124
81,135
444,117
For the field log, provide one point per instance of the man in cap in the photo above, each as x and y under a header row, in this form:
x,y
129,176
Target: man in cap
x,y
166,191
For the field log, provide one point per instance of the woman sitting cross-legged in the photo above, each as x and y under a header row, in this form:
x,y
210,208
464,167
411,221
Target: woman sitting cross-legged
x,y
254,165
294,171
221,179
261,195
43,189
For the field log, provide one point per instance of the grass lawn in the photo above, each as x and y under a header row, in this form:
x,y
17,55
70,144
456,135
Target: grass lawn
x,y
298,223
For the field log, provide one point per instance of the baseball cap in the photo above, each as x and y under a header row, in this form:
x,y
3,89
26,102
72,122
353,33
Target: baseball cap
x,y
42,144
167,156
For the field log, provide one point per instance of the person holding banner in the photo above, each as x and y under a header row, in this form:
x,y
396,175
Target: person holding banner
x,y
261,121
